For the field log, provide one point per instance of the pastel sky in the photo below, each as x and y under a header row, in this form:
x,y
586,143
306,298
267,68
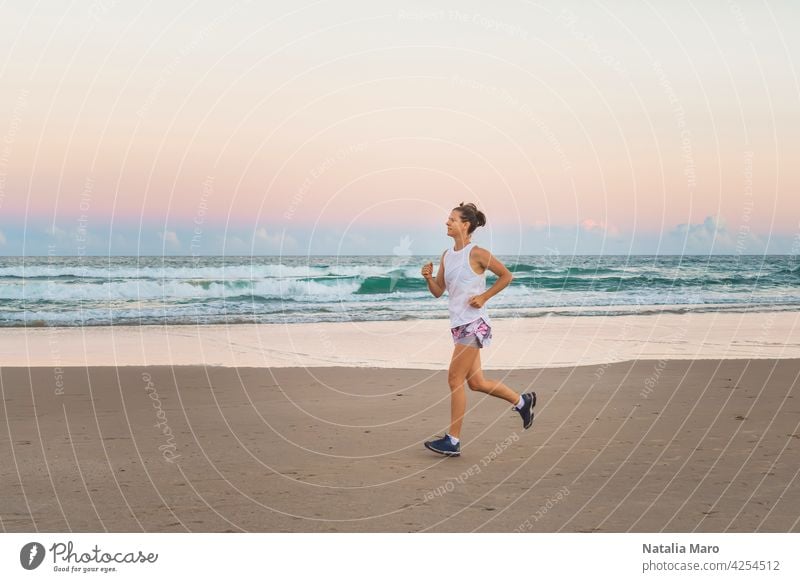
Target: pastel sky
x,y
343,127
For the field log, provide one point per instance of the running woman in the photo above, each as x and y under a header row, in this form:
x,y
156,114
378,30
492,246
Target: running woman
x,y
462,272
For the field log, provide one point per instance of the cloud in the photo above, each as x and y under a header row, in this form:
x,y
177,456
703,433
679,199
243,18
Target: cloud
x,y
170,238
55,232
356,240
713,236
234,244
599,227
275,241
540,224
262,234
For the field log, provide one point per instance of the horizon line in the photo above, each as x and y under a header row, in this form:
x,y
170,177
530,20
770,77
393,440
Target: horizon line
x,y
419,255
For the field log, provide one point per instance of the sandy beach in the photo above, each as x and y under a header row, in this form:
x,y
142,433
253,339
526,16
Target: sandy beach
x,y
704,437
545,342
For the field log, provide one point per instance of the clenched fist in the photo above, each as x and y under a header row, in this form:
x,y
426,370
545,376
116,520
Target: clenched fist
x,y
427,270
477,301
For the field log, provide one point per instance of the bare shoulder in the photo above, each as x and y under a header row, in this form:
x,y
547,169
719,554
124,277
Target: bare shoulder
x,y
488,261
480,255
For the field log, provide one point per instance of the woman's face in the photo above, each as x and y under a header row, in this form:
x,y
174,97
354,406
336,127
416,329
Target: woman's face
x,y
454,223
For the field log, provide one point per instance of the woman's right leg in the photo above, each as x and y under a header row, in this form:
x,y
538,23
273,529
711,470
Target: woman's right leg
x,y
460,364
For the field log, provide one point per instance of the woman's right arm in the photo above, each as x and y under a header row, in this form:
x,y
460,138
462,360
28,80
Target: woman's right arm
x,y
436,285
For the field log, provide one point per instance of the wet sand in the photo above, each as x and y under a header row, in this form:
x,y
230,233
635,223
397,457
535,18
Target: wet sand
x,y
672,445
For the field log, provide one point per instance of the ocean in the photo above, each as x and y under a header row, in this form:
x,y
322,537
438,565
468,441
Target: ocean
x,y
86,291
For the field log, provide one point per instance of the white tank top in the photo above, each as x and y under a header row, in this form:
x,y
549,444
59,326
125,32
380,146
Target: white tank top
x,y
462,283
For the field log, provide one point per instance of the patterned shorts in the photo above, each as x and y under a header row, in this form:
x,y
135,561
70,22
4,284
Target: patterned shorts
x,y
476,333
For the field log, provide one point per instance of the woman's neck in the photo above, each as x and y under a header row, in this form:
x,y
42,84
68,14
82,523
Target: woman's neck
x,y
461,244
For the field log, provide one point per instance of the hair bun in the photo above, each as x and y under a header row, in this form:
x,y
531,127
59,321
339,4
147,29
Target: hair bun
x,y
470,213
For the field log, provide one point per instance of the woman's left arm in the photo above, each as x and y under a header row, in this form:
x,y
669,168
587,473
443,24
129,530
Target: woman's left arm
x,y
492,263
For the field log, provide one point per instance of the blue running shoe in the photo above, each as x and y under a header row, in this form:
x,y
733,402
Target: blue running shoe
x,y
443,446
526,412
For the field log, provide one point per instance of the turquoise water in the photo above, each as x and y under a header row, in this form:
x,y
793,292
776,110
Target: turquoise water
x,y
48,291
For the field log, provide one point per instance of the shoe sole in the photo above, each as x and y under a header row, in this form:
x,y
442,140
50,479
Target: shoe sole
x,y
533,403
445,453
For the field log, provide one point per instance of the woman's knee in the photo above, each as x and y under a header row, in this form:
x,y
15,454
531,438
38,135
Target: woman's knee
x,y
455,381
476,384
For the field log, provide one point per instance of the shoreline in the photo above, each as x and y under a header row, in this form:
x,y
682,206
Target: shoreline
x,y
548,342
501,312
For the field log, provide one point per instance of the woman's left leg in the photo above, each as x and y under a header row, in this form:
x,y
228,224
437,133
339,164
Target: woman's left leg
x,y
477,382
